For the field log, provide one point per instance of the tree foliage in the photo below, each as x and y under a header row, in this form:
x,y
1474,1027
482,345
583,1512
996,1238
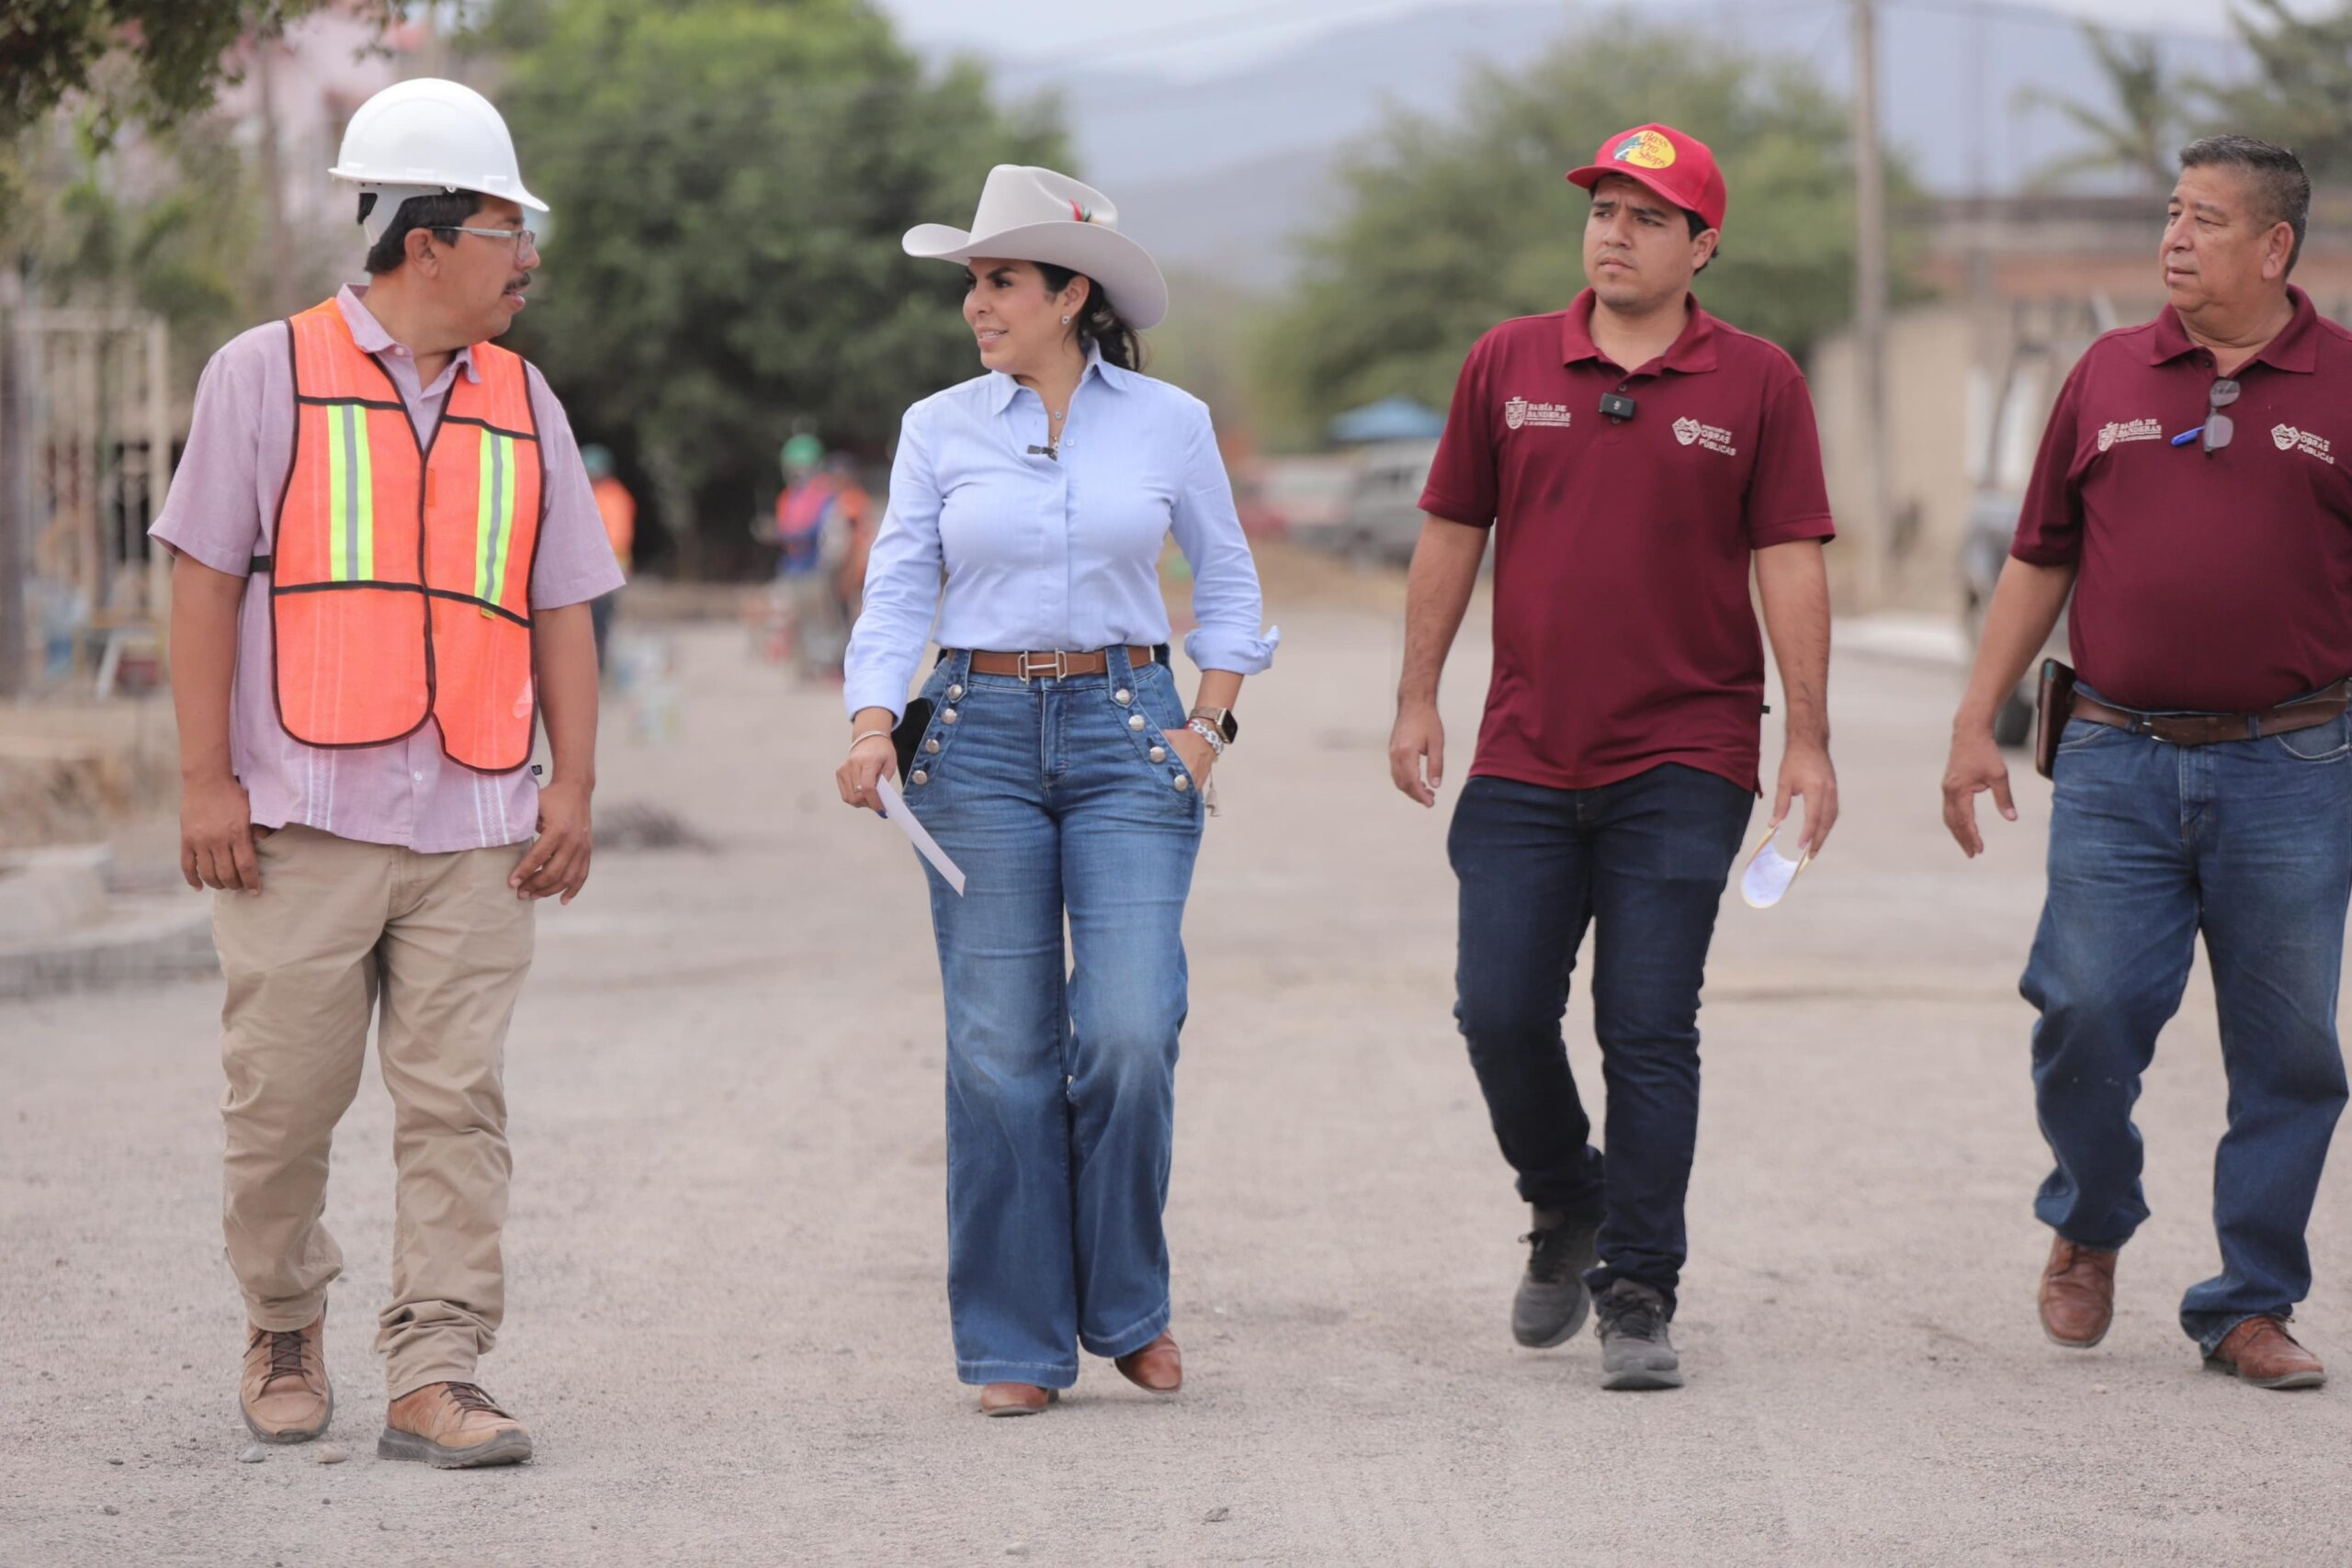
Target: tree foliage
x,y
728,180
128,62
2138,133
2301,95
1453,226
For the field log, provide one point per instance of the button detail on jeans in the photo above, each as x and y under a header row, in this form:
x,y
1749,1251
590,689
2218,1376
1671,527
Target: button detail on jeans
x,y
955,693
1123,696
1135,721
1182,783
932,745
947,716
921,777
1160,753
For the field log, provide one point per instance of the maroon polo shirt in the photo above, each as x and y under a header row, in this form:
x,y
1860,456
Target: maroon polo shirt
x,y
2224,582
1625,637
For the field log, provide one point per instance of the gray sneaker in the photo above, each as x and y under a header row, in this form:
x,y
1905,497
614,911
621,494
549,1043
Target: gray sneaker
x,y
1551,1303
1635,1349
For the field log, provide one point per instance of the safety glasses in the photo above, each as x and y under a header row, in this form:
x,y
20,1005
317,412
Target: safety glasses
x,y
527,245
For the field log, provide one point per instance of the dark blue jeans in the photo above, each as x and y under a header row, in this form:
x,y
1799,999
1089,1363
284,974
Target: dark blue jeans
x,y
1643,860
2250,842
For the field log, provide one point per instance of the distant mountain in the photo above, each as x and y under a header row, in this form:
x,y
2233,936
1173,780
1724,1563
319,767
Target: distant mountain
x,y
1222,173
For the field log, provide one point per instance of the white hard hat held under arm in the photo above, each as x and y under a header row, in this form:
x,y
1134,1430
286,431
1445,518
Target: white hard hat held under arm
x,y
426,137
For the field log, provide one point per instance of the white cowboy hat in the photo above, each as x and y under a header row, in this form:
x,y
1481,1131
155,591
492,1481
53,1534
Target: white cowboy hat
x,y
1036,215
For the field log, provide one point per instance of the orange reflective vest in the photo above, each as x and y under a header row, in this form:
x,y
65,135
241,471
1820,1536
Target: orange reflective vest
x,y
401,573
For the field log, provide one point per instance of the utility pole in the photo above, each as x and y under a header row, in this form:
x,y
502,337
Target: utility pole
x,y
16,482
272,173
1870,310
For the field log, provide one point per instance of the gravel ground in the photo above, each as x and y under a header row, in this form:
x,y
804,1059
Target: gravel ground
x,y
727,1316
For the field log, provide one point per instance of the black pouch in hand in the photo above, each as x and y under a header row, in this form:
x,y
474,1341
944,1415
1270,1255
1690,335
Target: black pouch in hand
x,y
2054,703
907,734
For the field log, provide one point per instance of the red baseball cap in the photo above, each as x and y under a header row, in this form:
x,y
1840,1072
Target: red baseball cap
x,y
1678,166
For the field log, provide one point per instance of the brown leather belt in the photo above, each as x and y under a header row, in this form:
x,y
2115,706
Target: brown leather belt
x,y
2205,729
1052,666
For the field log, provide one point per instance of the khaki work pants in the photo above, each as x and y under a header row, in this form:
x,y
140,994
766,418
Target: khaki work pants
x,y
444,943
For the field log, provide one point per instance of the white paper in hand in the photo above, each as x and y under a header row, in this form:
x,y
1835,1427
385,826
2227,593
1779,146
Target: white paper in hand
x,y
902,817
1768,874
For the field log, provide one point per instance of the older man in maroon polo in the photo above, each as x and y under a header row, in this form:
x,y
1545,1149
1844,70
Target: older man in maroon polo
x,y
1631,456
2192,494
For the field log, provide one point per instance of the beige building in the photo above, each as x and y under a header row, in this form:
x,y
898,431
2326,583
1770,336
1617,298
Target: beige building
x,y
2024,285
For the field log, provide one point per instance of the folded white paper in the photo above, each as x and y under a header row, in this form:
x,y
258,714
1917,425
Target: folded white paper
x,y
903,817
1768,874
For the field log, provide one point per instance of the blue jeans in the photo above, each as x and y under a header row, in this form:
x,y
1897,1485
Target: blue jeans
x,y
1644,860
1061,1066
2249,841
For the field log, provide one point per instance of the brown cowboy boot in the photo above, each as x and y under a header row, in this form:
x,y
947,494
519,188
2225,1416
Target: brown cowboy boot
x,y
1157,1367
2077,1295
1016,1399
2261,1351
284,1394
452,1426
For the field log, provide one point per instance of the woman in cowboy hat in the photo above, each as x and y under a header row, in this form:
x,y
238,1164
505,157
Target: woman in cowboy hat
x,y
1052,758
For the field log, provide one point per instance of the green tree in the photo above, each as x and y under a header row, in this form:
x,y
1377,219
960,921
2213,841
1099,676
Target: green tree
x,y
127,62
2301,94
1453,226
180,236
728,180
2140,134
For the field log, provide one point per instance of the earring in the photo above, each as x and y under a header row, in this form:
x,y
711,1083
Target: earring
x,y
1065,320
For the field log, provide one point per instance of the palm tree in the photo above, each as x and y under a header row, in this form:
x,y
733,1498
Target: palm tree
x,y
2138,135
2301,95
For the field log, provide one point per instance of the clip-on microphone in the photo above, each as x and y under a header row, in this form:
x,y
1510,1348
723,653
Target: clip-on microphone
x,y
1618,406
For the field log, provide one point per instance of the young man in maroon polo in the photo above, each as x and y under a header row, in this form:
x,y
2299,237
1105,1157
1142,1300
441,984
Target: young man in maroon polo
x,y
1632,455
2192,493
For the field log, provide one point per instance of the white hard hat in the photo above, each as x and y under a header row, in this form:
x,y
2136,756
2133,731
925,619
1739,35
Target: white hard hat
x,y
425,137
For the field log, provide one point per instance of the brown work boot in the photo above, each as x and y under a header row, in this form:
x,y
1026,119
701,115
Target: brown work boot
x,y
1016,1399
452,1426
2077,1295
2261,1351
1157,1367
284,1394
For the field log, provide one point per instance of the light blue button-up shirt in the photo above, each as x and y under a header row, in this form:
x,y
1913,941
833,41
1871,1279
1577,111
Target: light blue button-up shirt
x,y
1041,554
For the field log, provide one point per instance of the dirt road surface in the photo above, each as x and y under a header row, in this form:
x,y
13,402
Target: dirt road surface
x,y
727,1311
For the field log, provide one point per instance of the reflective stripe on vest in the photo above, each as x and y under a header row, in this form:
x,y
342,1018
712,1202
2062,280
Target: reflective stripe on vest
x,y
493,514
399,589
351,496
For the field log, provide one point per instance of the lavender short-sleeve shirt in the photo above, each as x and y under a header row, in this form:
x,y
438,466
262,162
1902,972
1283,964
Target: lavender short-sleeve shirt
x,y
221,511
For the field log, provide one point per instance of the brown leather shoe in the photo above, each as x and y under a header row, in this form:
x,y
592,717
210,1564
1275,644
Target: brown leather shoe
x,y
452,1426
283,1392
1016,1399
2077,1295
2261,1351
1157,1367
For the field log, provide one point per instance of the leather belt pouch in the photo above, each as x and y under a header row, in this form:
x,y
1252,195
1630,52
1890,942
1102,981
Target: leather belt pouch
x,y
2053,702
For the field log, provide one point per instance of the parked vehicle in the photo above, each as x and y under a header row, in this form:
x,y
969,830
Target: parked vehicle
x,y
1382,519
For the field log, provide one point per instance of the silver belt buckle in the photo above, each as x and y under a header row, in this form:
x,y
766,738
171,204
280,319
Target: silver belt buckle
x,y
1055,664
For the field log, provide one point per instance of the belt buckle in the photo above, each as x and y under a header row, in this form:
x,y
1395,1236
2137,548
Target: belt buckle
x,y
1057,664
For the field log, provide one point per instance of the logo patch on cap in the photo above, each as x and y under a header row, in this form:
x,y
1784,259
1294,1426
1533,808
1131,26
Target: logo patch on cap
x,y
1645,149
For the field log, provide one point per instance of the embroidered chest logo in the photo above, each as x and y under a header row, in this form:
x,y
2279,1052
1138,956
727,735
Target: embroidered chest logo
x,y
1713,438
2289,439
1518,413
2117,430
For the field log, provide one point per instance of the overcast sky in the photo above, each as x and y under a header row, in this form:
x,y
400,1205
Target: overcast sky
x,y
1214,34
